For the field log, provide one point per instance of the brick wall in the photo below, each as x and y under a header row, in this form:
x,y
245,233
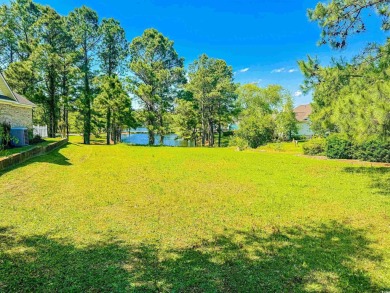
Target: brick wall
x,y
17,116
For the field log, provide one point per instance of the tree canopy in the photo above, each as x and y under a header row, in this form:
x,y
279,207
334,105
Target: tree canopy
x,y
340,19
157,72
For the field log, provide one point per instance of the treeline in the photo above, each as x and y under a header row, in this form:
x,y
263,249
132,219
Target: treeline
x,y
351,98
67,64
82,72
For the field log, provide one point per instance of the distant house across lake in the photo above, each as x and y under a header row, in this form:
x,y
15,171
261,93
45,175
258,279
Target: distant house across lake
x,y
302,114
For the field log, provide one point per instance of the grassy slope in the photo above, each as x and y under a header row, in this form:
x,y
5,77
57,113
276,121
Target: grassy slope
x,y
138,218
9,152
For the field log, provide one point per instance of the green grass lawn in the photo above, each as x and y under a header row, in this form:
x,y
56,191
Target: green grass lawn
x,y
121,218
284,147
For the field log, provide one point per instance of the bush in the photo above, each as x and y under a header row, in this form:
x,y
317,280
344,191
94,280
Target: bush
x,y
228,133
314,147
5,135
299,137
373,151
36,139
238,142
338,147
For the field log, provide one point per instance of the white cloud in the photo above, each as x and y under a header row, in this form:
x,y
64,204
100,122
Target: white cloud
x,y
256,81
244,70
279,70
298,94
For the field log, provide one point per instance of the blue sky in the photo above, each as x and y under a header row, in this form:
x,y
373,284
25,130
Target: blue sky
x,y
262,40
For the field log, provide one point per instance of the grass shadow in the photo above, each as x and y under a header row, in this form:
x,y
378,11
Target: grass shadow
x,y
313,258
380,177
53,157
41,264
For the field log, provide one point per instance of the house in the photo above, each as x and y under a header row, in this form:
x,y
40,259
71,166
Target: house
x,y
14,108
302,114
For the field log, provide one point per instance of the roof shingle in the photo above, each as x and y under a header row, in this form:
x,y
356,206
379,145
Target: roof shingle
x,y
303,112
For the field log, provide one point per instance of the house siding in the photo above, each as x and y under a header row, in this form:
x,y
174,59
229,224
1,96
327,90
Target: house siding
x,y
15,115
304,129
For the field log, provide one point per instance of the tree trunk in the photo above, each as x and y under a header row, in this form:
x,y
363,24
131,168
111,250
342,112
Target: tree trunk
x,y
87,120
87,99
161,129
151,136
108,126
195,137
211,129
117,134
203,126
219,134
67,122
52,106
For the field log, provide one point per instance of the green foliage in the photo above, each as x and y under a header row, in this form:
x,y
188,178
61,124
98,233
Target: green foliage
x,y
212,87
84,24
113,47
338,147
315,147
351,98
17,30
158,72
113,51
35,140
5,135
256,128
339,19
266,114
239,142
286,122
114,103
373,151
186,119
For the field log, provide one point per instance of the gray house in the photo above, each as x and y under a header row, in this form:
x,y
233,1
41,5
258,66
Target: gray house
x,y
302,114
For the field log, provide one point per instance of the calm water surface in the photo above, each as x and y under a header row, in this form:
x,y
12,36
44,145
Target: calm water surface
x,y
142,139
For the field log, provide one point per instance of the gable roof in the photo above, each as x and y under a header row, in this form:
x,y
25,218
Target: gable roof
x,y
303,112
23,100
7,95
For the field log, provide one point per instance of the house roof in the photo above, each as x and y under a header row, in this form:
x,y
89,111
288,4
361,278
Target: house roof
x,y
6,94
303,112
23,100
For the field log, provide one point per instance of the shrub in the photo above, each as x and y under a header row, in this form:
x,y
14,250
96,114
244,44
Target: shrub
x,y
315,146
238,142
298,137
228,133
36,139
5,135
338,147
373,151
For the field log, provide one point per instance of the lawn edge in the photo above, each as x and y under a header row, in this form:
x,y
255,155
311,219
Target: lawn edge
x,y
15,159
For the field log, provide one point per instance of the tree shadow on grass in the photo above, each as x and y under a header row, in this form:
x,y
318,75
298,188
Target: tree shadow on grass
x,y
41,264
54,157
380,177
315,258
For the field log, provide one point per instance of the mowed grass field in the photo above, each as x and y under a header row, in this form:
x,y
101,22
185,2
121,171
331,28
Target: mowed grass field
x,y
160,219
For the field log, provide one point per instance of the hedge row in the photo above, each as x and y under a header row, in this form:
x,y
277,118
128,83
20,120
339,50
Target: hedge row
x,y
338,147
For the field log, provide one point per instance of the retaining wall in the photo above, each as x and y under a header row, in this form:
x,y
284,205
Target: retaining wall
x,y
15,159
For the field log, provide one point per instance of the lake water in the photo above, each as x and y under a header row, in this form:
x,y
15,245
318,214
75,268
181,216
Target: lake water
x,y
142,139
